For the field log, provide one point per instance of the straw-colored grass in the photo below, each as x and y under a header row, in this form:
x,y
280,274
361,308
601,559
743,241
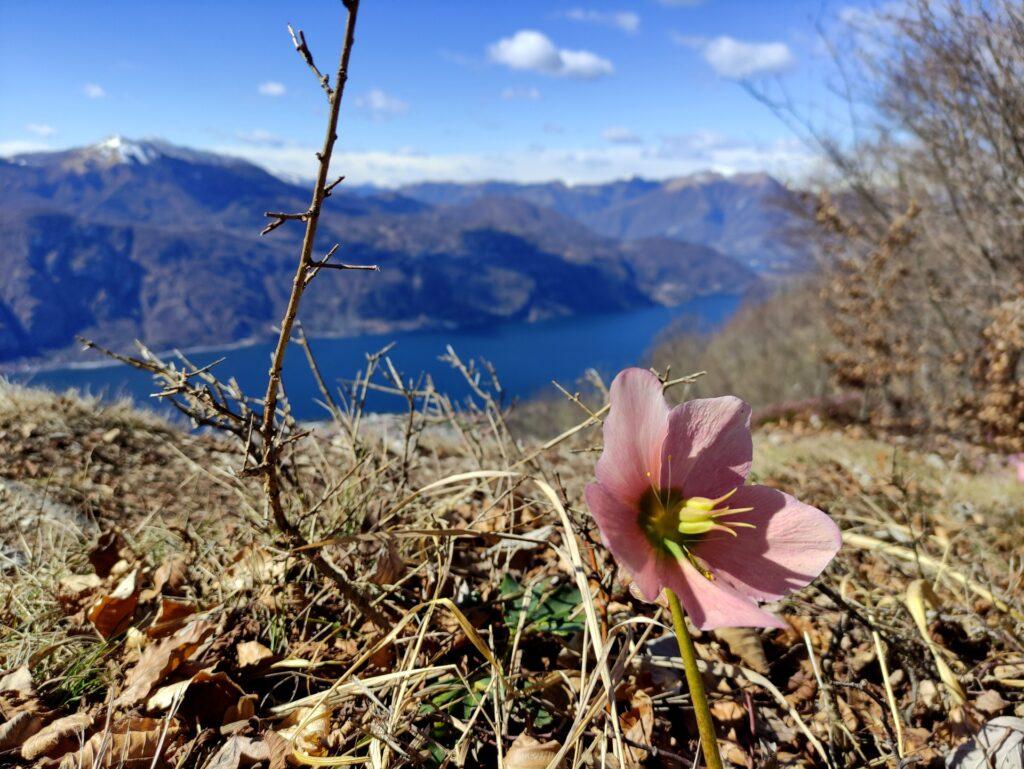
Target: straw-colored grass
x,y
509,618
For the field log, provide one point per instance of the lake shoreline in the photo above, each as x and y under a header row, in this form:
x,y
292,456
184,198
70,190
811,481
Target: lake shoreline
x,y
526,355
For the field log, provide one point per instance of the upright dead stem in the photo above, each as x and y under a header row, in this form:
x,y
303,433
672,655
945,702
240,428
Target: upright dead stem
x,y
270,467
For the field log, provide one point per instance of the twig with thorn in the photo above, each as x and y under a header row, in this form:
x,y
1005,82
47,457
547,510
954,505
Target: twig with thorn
x,y
280,218
330,187
315,267
299,40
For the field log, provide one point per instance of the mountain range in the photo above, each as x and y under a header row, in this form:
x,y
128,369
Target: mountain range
x,y
127,240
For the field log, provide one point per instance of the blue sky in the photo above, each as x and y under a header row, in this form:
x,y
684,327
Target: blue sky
x,y
439,89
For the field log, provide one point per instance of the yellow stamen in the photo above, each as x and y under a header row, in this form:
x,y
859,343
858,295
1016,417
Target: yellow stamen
x,y
677,524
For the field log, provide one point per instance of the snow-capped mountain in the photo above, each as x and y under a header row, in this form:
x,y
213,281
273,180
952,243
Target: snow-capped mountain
x,y
129,239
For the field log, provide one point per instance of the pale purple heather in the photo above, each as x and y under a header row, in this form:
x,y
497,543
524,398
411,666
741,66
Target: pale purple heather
x,y
673,509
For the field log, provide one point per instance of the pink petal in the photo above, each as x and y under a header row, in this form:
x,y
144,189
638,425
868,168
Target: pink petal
x,y
713,604
621,534
790,546
634,431
707,450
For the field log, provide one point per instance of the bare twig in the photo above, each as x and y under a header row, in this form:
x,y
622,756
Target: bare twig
x,y
281,218
299,40
330,187
315,267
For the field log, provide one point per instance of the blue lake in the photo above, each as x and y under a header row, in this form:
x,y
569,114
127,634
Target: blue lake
x,y
526,356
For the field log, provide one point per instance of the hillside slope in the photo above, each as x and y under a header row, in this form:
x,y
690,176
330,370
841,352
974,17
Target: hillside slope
x,y
744,215
144,595
126,240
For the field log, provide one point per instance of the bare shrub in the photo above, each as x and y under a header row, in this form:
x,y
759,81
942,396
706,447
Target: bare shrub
x,y
921,240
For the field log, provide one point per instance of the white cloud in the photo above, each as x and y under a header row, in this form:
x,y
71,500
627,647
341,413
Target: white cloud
x,y
627,21
669,156
40,129
620,135
786,158
521,94
94,91
271,88
18,146
738,59
380,105
533,51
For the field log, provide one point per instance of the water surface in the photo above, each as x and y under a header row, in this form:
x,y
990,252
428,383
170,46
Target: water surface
x,y
526,356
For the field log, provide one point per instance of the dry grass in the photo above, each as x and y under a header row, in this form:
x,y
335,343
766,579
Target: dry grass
x,y
509,617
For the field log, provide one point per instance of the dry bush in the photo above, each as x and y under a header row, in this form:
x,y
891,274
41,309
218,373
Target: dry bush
x,y
995,408
921,239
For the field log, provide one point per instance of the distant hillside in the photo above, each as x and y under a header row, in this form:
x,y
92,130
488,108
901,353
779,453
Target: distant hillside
x,y
143,239
741,215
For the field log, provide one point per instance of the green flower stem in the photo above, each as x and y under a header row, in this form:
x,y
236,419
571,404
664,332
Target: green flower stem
x,y
705,724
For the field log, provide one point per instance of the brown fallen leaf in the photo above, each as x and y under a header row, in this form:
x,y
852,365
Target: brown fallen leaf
x,y
19,728
170,616
243,752
306,730
390,565
733,753
243,710
168,579
637,725
161,659
252,653
106,552
56,738
75,584
18,681
528,752
134,743
990,702
110,612
745,643
207,696
728,711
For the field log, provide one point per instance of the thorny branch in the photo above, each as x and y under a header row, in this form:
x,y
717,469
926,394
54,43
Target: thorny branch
x,y
270,468
265,430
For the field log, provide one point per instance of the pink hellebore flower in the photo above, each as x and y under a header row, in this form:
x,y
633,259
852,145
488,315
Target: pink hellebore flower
x,y
672,508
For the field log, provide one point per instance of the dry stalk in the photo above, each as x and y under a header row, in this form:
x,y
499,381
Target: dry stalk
x,y
270,467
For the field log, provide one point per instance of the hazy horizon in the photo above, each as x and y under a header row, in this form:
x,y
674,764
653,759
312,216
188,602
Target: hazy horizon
x,y
696,174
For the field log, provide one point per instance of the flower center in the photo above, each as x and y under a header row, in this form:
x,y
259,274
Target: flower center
x,y
676,524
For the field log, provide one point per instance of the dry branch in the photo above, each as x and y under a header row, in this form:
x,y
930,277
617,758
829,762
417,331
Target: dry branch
x,y
270,468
